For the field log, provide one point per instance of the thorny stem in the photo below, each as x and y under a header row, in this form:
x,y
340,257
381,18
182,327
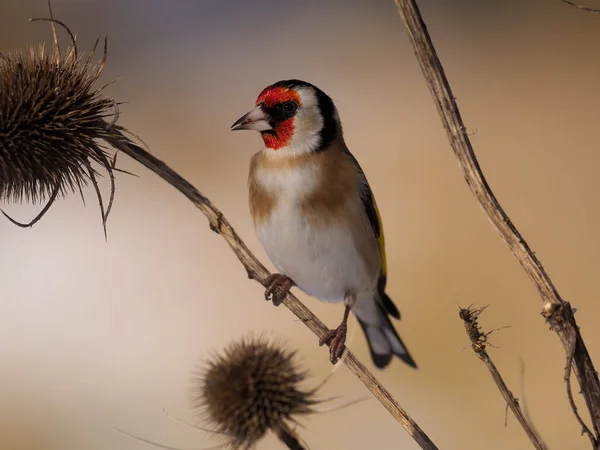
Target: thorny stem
x,y
255,270
557,312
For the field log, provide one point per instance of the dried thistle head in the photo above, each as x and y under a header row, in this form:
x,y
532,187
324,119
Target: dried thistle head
x,y
251,388
470,317
52,124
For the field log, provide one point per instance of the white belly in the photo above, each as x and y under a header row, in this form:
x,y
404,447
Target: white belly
x,y
324,263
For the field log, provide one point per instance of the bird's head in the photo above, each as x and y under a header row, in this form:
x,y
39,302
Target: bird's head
x,y
293,117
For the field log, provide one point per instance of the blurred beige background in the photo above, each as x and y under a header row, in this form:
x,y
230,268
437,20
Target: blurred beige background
x,y
98,335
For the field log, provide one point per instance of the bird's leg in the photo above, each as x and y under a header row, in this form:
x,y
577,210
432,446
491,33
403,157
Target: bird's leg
x,y
277,286
336,339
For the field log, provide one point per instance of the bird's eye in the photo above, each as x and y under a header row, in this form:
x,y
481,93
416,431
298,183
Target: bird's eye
x,y
289,107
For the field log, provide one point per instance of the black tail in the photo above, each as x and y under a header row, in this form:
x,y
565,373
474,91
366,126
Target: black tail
x,y
383,339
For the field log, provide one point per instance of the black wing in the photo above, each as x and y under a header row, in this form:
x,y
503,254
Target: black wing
x,y
370,207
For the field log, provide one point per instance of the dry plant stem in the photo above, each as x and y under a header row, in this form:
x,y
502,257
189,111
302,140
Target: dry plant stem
x,y
583,7
557,312
571,348
511,401
479,340
255,270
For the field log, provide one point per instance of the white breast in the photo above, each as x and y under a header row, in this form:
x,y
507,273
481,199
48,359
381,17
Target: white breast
x,y
324,262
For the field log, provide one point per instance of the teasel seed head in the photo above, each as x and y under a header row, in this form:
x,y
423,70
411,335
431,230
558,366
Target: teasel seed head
x,y
53,124
252,387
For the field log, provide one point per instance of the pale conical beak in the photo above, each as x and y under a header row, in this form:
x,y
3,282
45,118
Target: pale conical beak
x,y
256,120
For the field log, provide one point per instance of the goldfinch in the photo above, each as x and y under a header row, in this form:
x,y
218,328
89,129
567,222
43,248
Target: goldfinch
x,y
316,216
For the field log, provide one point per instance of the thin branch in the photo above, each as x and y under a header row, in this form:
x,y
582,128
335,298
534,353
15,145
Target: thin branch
x,y
568,370
511,401
478,344
557,312
255,270
583,7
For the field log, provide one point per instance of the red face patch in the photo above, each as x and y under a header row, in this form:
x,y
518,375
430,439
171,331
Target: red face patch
x,y
283,131
271,96
280,136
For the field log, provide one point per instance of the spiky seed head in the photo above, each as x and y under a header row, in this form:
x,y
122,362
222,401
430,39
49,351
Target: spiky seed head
x,y
53,122
50,119
251,387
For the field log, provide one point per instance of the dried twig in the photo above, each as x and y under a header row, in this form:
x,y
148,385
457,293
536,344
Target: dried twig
x,y
479,341
557,312
567,378
255,270
583,7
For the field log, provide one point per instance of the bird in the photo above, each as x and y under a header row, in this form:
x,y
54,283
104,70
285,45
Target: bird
x,y
315,215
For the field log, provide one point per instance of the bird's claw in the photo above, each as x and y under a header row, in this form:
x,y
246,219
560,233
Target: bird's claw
x,y
336,339
277,286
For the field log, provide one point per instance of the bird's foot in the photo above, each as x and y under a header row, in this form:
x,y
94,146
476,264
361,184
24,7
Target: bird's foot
x,y
277,286
336,339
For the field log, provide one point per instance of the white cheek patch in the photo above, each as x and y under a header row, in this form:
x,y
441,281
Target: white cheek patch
x,y
309,120
308,123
